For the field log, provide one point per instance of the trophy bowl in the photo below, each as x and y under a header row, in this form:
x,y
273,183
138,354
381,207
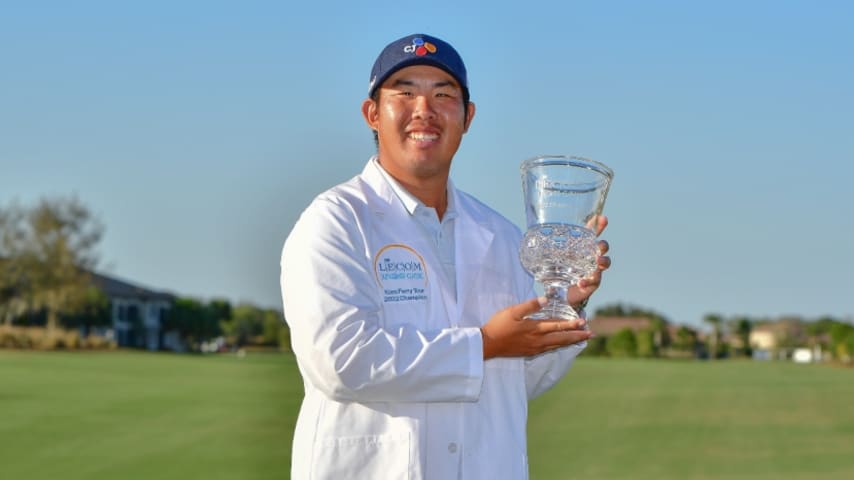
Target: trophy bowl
x,y
564,196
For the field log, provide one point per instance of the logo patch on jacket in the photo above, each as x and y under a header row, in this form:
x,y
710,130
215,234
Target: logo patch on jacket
x,y
402,273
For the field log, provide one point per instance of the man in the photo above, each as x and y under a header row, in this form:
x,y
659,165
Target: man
x,y
405,298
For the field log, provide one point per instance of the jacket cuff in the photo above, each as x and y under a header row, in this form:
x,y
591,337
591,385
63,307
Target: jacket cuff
x,y
475,383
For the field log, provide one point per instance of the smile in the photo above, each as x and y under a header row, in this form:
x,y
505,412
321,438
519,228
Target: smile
x,y
423,137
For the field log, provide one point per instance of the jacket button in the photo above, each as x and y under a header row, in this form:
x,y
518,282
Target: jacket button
x,y
452,447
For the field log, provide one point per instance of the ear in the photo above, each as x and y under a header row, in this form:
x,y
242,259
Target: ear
x,y
370,111
469,116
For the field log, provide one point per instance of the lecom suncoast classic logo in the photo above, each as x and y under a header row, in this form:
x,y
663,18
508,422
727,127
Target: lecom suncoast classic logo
x,y
402,273
419,47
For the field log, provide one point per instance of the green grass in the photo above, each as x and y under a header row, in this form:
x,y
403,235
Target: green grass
x,y
146,416
123,415
619,419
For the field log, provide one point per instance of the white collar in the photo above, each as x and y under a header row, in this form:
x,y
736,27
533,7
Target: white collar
x,y
410,202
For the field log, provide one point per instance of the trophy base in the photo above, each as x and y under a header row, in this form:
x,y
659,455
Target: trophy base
x,y
554,311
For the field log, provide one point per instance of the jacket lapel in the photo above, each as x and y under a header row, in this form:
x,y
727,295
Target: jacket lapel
x,y
472,239
391,215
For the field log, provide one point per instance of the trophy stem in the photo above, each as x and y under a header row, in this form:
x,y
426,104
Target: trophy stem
x,y
556,307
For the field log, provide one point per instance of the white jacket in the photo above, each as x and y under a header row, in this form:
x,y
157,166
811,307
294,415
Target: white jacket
x,y
395,382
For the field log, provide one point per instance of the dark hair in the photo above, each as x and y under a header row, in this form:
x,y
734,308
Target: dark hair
x,y
376,98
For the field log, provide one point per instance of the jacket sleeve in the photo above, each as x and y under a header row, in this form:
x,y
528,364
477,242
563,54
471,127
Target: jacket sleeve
x,y
543,371
334,309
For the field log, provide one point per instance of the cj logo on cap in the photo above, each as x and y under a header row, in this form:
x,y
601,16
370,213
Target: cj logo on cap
x,y
419,47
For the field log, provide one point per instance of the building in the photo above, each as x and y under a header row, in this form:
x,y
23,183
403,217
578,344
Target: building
x,y
763,337
605,326
787,338
138,315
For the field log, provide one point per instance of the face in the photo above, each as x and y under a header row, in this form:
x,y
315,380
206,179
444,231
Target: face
x,y
420,119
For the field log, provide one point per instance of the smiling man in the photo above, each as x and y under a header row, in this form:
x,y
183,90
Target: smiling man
x,y
420,114
406,300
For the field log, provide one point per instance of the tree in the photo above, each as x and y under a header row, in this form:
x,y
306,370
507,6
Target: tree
x,y
818,332
245,324
646,343
686,339
252,325
46,252
842,341
596,347
94,312
660,332
622,344
620,310
741,327
849,346
194,321
220,310
715,321
272,327
615,310
13,303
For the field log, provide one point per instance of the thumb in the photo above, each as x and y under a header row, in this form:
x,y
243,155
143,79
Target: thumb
x,y
527,307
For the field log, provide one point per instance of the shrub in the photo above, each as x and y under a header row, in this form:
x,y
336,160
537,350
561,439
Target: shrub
x,y
41,338
622,344
285,339
596,347
50,339
97,342
646,344
11,337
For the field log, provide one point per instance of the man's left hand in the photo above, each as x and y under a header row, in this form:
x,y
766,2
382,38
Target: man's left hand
x,y
587,285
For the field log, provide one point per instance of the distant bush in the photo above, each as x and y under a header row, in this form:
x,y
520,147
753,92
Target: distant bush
x,y
646,347
49,340
251,326
41,338
97,342
285,339
14,337
596,347
622,344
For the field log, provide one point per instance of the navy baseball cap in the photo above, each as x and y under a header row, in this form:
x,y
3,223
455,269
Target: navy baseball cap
x,y
418,49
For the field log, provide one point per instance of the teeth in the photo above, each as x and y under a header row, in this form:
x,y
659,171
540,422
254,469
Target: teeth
x,y
423,136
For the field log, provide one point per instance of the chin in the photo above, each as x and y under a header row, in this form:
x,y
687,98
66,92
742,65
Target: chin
x,y
430,169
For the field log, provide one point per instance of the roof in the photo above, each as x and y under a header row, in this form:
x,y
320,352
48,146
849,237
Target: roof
x,y
113,287
607,325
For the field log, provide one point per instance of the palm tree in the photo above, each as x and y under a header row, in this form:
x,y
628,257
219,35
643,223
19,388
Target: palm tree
x,y
715,321
742,326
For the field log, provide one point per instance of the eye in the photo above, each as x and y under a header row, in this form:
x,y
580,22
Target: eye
x,y
446,93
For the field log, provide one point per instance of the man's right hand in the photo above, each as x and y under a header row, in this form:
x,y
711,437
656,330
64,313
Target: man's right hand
x,y
509,334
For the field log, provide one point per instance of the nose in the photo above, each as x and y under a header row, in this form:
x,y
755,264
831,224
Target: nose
x,y
423,109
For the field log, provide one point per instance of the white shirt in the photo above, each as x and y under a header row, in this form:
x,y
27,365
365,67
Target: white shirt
x,y
442,232
391,355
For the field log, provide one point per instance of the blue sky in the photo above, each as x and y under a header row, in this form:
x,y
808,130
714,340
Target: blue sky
x,y
197,132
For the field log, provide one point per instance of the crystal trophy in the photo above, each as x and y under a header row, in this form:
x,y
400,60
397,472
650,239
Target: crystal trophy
x,y
564,196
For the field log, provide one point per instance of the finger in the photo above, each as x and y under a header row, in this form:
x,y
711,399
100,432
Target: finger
x,y
546,327
601,223
603,247
560,326
591,281
603,263
563,339
588,285
574,324
527,307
